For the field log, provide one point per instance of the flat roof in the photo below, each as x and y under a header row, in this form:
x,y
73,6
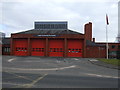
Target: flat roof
x,y
51,22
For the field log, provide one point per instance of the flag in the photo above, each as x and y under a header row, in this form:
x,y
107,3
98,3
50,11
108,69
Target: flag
x,y
107,20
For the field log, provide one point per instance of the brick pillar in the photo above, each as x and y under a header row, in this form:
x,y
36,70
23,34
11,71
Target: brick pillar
x,y
46,50
11,46
29,47
65,47
84,48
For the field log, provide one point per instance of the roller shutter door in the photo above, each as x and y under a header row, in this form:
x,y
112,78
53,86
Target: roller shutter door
x,y
74,48
56,48
20,47
38,47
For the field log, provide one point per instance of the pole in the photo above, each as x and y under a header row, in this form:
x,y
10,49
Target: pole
x,y
106,42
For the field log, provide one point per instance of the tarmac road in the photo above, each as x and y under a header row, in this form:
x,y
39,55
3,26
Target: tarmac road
x,y
51,72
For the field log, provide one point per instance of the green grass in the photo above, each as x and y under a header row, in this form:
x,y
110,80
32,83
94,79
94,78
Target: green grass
x,y
111,61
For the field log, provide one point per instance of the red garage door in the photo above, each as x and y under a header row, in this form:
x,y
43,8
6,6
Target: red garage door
x,y
56,48
20,47
38,47
74,48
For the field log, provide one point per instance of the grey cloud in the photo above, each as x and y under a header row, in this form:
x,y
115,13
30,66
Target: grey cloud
x,y
21,15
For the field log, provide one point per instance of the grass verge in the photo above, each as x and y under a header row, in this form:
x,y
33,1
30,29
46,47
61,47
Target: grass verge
x,y
111,61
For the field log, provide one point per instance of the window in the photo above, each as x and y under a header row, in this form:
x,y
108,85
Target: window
x,y
76,50
80,50
42,26
57,50
113,46
69,50
22,49
37,49
4,49
72,50
118,46
50,50
33,49
7,49
52,26
42,49
61,50
54,50
19,49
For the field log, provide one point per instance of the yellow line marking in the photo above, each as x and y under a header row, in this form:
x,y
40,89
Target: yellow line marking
x,y
35,81
19,76
31,84
9,78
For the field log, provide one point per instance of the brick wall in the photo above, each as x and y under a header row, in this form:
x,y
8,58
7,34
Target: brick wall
x,y
95,52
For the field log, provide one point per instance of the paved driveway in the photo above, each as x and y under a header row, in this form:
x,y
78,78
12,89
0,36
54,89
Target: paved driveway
x,y
50,72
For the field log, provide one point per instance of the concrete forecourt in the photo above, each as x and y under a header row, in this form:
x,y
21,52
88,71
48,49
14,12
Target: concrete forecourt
x,y
55,72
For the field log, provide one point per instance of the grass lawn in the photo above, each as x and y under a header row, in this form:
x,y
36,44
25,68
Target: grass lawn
x,y
111,61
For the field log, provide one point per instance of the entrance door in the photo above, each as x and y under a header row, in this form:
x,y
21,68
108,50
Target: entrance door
x,y
20,47
38,47
56,48
74,48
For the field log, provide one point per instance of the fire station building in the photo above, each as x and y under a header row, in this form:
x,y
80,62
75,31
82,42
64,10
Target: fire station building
x,y
54,39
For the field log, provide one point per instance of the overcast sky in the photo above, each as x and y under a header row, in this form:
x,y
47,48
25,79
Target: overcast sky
x,y
19,15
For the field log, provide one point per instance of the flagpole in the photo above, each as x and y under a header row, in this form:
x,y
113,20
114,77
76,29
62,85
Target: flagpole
x,y
107,23
106,42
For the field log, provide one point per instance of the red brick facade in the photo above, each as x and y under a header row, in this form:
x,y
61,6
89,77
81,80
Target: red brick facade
x,y
95,52
89,49
113,49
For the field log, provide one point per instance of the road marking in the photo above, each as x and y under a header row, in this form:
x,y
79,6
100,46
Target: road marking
x,y
52,69
31,61
35,81
93,60
9,83
10,60
105,76
10,78
76,59
58,61
32,83
19,76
